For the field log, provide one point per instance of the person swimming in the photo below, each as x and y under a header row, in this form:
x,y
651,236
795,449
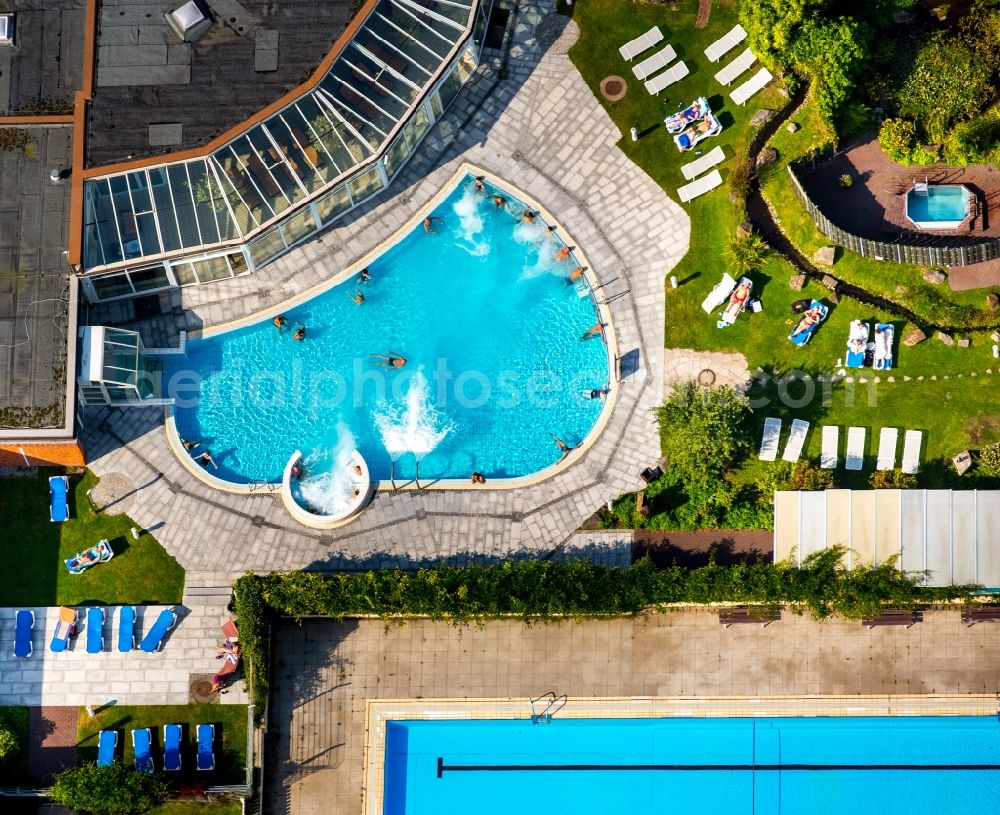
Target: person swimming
x,y
391,360
564,448
364,275
499,202
576,274
357,296
429,223
280,323
563,253
480,183
596,330
528,216
300,332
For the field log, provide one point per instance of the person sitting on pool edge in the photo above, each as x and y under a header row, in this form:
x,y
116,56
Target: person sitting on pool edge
x,y
392,360
478,478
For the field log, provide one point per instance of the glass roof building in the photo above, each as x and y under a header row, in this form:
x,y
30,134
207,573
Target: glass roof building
x,y
337,142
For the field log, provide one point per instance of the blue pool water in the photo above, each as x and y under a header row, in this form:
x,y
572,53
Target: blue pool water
x,y
947,203
483,314
762,766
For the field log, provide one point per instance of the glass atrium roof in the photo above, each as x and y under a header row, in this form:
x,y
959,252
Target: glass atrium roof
x,y
344,120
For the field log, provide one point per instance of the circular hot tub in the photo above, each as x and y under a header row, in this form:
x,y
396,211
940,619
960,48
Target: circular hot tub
x,y
325,497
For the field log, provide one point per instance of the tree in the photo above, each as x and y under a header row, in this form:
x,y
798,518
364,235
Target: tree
x,y
747,253
897,138
830,53
773,25
946,85
704,430
113,790
8,743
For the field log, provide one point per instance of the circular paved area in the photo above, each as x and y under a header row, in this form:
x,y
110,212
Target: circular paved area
x,y
613,88
628,228
706,368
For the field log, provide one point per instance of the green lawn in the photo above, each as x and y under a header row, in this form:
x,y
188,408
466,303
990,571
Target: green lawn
x,y
34,549
197,808
230,737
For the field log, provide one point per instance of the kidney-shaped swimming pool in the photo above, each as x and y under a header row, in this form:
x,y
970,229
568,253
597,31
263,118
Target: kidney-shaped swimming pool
x,y
504,364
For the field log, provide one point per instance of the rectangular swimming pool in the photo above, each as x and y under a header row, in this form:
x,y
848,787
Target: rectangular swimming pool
x,y
759,766
942,206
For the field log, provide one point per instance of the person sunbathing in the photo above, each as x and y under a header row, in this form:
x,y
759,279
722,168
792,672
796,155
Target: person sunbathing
x,y
809,319
704,125
858,337
881,344
739,295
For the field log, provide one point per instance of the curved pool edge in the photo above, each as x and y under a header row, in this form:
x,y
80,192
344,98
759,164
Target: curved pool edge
x,y
350,271
314,521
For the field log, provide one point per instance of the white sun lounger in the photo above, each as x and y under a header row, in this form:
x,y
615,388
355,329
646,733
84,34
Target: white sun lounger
x,y
633,48
911,451
831,438
797,438
769,441
700,186
855,448
733,70
887,439
668,77
751,86
718,49
650,65
719,294
695,168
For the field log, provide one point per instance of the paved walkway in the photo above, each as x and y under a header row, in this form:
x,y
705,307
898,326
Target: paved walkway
x,y
75,677
52,737
543,131
684,364
326,671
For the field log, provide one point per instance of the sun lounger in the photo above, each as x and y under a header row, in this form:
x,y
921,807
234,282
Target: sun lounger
x,y
667,78
884,335
58,498
718,49
855,448
633,48
650,65
719,294
206,747
699,186
153,640
64,625
751,86
24,622
100,552
736,68
857,344
698,109
796,439
769,441
695,168
126,629
738,301
911,451
107,741
95,630
699,131
831,438
142,745
171,747
887,439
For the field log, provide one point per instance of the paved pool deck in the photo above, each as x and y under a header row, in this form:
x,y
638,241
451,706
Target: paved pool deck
x,y
538,127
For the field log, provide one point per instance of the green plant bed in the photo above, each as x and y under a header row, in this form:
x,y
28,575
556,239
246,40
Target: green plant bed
x,y
34,549
230,737
197,808
14,768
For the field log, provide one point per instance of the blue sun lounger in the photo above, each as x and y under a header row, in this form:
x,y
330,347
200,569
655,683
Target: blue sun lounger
x,y
106,743
95,630
206,747
64,625
58,498
142,744
801,335
171,747
126,629
24,622
153,641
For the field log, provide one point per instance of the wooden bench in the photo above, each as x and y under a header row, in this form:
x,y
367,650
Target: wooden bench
x,y
742,614
894,617
985,614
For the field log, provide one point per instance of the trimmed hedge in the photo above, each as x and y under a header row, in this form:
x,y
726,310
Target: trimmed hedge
x,y
547,590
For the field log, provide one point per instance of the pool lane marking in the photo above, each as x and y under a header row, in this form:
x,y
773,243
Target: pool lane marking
x,y
442,768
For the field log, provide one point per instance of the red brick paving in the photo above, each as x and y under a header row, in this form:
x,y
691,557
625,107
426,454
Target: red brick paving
x,y
52,738
976,276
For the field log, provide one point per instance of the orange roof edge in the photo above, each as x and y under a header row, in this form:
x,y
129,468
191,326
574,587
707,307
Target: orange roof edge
x,y
59,454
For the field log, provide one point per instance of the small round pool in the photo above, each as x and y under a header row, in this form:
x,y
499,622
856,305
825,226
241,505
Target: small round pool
x,y
505,366
937,206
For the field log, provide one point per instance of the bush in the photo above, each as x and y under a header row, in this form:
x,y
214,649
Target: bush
x,y
975,142
747,254
898,140
846,181
113,790
806,476
989,459
739,182
8,743
892,480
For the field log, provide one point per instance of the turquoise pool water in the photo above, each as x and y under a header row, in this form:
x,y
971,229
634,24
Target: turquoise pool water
x,y
763,766
945,203
489,326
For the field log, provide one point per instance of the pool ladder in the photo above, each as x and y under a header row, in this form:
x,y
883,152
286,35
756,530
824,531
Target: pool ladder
x,y
552,705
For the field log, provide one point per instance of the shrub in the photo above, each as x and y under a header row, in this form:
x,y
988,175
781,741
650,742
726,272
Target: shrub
x,y
846,181
898,139
739,182
8,743
806,476
747,254
975,142
989,459
892,480
113,790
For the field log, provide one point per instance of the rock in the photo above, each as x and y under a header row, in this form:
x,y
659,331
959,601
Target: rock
x,y
993,300
995,336
935,276
791,127
834,297
797,282
947,339
825,256
783,90
914,336
964,343
766,156
962,462
761,117
902,17
744,229
830,281
901,289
